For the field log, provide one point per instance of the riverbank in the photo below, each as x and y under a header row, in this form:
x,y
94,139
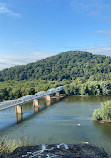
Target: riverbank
x,y
58,151
102,121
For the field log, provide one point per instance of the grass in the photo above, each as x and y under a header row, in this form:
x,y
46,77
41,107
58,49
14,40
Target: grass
x,y
9,145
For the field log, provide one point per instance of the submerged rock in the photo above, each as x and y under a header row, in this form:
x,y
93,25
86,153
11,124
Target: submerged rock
x,y
58,151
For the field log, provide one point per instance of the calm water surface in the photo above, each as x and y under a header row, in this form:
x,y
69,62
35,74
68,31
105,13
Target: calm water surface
x,y
58,123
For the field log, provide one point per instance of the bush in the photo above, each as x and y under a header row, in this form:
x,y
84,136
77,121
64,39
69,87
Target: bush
x,y
106,110
97,114
104,113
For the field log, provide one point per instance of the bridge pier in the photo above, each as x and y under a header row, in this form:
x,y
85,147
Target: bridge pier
x,y
19,117
57,94
36,109
19,113
25,99
48,98
48,103
35,103
36,106
18,109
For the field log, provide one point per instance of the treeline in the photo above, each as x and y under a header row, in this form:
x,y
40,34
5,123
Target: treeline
x,y
15,89
67,65
89,88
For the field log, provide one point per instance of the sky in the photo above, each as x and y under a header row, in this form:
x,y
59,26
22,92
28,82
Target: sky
x,y
34,29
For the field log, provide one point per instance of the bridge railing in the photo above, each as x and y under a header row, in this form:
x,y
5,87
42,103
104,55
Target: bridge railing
x,y
29,98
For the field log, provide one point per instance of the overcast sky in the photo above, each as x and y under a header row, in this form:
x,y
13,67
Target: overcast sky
x,y
35,29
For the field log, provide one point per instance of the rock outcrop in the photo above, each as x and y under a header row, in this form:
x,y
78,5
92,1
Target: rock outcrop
x,y
58,151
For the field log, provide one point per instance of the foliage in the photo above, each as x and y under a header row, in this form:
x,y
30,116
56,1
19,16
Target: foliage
x,y
9,145
16,89
89,88
86,74
67,65
97,114
106,110
104,113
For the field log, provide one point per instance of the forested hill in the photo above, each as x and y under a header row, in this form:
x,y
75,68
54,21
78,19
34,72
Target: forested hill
x,y
66,65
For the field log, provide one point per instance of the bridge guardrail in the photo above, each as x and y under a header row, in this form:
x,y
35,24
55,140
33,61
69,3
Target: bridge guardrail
x,y
29,98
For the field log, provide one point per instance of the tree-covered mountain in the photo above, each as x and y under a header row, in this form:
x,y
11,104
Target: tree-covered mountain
x,y
67,65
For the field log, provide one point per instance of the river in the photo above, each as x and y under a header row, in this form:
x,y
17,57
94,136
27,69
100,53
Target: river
x,y
67,121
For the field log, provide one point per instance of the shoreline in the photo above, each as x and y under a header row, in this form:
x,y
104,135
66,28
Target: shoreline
x,y
102,121
65,95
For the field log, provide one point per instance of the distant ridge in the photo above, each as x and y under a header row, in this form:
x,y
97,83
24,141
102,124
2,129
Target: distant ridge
x,y
67,65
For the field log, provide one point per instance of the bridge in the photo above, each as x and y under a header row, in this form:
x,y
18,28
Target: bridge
x,y
28,98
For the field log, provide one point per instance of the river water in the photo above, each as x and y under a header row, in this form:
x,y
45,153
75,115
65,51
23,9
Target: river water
x,y
67,121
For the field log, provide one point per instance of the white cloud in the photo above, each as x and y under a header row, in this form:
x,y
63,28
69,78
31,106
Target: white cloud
x,y
100,31
7,61
5,10
100,50
90,7
106,33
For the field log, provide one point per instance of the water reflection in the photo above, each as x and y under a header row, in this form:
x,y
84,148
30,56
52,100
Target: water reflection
x,y
94,99
9,117
48,103
19,117
68,121
104,127
36,110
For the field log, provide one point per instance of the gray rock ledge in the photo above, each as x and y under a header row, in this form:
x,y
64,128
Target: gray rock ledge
x,y
58,151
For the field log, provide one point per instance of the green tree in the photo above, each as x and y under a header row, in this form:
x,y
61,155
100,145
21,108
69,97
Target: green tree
x,y
103,113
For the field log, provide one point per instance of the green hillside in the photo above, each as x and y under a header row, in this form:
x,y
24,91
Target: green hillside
x,y
67,65
82,72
